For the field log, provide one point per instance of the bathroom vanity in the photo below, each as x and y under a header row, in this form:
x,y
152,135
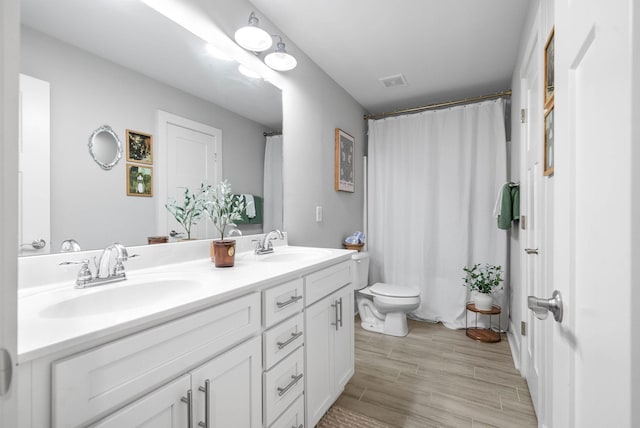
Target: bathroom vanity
x,y
267,343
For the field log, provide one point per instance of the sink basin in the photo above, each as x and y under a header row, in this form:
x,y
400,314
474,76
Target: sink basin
x,y
293,255
123,296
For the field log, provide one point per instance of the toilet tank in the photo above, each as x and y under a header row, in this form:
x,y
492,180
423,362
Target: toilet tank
x,y
361,271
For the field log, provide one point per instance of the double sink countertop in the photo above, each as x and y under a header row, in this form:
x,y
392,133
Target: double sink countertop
x,y
57,317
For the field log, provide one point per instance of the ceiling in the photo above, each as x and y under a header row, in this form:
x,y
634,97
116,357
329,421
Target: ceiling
x,y
135,36
446,49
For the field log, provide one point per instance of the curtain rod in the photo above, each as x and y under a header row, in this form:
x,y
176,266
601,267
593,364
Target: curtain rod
x,y
438,105
272,134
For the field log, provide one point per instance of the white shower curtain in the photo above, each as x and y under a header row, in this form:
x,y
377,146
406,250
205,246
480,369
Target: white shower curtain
x,y
433,181
272,206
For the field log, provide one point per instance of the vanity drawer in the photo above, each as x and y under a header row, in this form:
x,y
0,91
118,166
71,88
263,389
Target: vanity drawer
x,y
280,340
92,383
322,283
283,384
282,301
293,417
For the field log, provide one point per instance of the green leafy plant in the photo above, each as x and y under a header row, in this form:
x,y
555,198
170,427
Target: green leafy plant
x,y
483,278
222,206
191,210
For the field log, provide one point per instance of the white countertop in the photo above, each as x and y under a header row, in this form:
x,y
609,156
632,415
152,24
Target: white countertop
x,y
55,317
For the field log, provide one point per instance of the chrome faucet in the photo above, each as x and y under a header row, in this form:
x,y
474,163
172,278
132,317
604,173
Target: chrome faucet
x,y
102,268
265,246
104,274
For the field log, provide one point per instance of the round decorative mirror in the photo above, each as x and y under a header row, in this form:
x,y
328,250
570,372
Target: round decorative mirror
x,y
105,147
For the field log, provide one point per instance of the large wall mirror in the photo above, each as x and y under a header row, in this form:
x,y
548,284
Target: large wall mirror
x,y
120,63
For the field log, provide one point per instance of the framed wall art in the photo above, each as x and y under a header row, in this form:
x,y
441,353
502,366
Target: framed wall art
x,y
548,142
139,180
139,147
345,168
549,73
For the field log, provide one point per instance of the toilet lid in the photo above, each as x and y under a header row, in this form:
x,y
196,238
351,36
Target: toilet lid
x,y
391,290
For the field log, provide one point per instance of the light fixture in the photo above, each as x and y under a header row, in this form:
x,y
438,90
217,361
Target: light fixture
x,y
255,39
279,59
252,37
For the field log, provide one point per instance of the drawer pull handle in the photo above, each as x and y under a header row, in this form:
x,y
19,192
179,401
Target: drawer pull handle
x,y
295,379
340,303
337,323
293,337
206,390
299,426
293,299
188,400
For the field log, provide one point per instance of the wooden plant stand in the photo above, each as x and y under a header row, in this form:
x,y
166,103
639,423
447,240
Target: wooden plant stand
x,y
483,334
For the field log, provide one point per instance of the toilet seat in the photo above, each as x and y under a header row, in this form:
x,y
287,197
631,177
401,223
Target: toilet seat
x,y
392,290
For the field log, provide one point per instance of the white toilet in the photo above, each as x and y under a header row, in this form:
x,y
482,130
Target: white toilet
x,y
383,307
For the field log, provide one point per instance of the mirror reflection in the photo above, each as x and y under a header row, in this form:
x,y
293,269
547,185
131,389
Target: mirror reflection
x,y
129,79
105,147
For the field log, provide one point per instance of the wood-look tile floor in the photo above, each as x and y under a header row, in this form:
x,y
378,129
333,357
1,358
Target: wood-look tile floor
x,y
436,377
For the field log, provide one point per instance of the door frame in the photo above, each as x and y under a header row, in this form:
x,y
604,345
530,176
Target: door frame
x,y
164,119
9,82
529,134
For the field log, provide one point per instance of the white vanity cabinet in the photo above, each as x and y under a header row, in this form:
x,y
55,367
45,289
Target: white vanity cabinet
x,y
91,384
274,354
223,392
283,353
162,408
329,346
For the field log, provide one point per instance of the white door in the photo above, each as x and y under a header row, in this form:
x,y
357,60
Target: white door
x,y
162,408
191,153
533,343
233,384
593,224
34,228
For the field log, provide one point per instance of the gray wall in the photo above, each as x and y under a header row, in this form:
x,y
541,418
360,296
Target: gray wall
x,y
89,204
314,105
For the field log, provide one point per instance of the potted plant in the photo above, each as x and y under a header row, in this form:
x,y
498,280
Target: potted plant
x,y
192,209
482,280
223,207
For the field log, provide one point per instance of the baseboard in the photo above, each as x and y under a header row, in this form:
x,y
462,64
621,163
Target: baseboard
x,y
515,345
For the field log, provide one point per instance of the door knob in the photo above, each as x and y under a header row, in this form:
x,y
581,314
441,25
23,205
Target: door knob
x,y
542,307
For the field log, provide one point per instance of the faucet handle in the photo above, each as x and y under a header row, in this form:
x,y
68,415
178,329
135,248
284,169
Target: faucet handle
x,y
84,274
118,269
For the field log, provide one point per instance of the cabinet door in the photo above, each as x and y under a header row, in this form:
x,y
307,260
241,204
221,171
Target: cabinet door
x,y
162,408
320,332
234,382
344,348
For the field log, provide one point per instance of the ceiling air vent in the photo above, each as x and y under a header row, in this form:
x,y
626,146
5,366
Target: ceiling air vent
x,y
393,81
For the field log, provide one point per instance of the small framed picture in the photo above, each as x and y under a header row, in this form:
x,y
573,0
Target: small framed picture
x,y
139,147
139,180
345,168
548,142
549,79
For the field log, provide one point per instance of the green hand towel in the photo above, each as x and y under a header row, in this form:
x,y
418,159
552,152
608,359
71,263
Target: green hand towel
x,y
258,201
506,209
515,202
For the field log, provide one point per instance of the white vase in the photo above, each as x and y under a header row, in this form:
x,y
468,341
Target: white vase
x,y
483,301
